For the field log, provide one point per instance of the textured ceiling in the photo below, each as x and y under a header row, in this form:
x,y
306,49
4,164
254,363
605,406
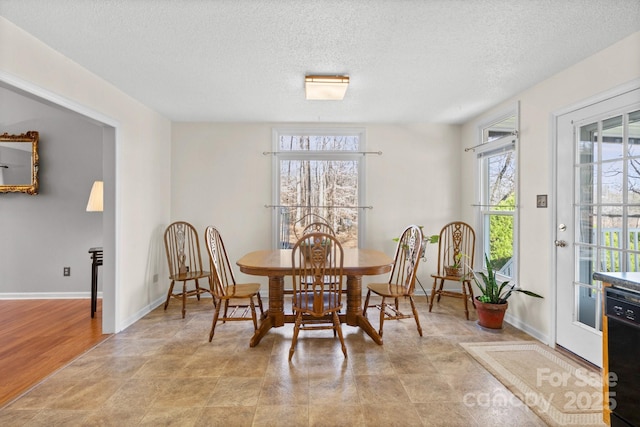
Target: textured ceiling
x,y
408,60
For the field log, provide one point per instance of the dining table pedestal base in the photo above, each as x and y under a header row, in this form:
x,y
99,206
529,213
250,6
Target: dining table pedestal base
x,y
276,317
276,264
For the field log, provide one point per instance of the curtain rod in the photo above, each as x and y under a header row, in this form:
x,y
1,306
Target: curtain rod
x,y
266,153
317,206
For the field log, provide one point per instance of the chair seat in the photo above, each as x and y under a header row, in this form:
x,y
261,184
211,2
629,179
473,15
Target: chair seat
x,y
307,298
190,275
242,290
387,290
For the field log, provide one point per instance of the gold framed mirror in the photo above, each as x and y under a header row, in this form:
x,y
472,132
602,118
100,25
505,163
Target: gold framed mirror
x,y
19,163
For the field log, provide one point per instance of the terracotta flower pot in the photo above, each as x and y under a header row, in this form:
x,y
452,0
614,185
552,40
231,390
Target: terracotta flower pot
x,y
490,315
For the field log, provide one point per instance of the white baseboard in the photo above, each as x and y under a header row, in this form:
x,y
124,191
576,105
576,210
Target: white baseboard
x,y
517,323
141,313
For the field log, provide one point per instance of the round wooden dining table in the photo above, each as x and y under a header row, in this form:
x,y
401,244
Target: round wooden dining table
x,y
276,264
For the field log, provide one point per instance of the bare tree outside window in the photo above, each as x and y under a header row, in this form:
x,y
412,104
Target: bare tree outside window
x,y
318,181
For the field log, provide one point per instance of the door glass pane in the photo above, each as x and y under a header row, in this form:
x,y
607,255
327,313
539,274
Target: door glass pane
x,y
588,179
612,143
587,301
611,260
633,179
611,227
634,133
587,144
586,257
587,224
612,182
633,240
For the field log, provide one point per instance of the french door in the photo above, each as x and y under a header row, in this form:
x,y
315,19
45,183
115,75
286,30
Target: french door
x,y
597,213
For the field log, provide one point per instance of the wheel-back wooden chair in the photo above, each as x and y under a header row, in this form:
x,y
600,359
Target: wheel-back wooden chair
x,y
307,220
318,227
456,252
317,261
185,262
402,280
239,297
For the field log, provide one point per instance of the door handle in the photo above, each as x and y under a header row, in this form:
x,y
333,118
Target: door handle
x,y
560,243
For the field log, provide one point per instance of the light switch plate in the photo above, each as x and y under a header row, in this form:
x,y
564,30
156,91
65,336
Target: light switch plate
x,y
541,200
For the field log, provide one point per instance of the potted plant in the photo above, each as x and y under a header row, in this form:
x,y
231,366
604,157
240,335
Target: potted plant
x,y
492,304
455,269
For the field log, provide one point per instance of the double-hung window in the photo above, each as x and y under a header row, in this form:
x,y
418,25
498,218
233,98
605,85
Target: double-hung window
x,y
318,176
498,193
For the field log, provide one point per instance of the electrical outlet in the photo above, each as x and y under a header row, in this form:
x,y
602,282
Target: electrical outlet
x,y
66,271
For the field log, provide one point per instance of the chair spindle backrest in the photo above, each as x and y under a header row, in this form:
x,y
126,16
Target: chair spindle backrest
x,y
407,257
318,227
456,244
183,248
317,261
222,273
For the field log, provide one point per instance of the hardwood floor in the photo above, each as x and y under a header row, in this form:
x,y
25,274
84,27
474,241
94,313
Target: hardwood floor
x,y
38,337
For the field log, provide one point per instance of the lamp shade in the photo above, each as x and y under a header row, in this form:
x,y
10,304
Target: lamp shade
x,y
95,198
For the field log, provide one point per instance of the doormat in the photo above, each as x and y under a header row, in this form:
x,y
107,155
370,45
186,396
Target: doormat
x,y
557,389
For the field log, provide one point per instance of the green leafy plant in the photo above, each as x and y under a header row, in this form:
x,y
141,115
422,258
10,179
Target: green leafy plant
x,y
492,292
457,260
425,239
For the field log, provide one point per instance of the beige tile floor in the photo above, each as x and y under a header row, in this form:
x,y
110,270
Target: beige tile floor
x,y
162,371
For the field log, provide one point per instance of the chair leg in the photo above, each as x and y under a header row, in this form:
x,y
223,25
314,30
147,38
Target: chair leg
x,y
198,290
366,304
337,328
226,308
215,320
472,297
440,289
166,303
383,307
296,330
415,315
184,298
465,298
260,305
253,314
433,294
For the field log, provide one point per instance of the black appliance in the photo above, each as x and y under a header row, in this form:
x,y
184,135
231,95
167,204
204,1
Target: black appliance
x,y
622,308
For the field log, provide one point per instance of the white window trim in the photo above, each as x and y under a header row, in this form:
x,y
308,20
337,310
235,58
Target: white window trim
x,y
510,142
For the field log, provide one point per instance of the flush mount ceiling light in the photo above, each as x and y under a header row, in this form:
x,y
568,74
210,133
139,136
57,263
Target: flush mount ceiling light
x,y
325,87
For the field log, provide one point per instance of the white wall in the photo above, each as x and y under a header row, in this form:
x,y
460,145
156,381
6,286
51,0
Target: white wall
x,y
50,229
136,170
614,66
220,177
